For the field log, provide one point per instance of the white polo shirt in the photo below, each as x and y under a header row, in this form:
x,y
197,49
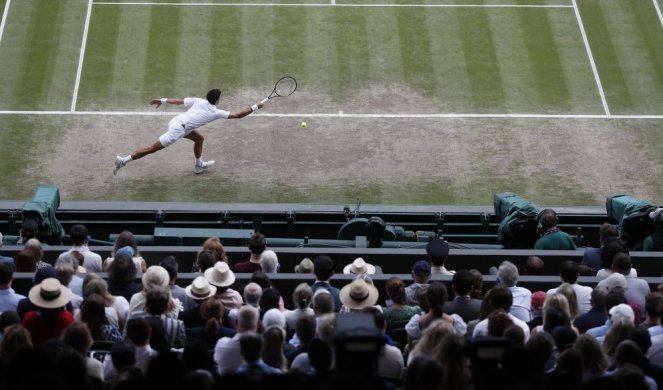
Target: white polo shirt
x,y
201,112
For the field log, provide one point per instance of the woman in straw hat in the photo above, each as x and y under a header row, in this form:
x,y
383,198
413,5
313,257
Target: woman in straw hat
x,y
222,278
358,295
50,318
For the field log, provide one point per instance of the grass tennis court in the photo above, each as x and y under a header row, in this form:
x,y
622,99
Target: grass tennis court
x,y
407,101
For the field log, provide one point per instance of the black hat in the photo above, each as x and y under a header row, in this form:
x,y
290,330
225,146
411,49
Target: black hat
x,y
437,248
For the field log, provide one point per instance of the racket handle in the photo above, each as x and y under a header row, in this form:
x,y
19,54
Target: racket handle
x,y
264,100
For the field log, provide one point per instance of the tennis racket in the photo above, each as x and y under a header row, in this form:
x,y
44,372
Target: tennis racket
x,y
284,87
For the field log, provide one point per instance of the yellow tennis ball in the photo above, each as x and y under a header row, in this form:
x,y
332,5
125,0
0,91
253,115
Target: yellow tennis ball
x,y
304,125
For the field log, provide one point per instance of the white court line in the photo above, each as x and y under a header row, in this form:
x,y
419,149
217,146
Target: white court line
x,y
591,59
334,4
4,18
81,56
658,11
341,114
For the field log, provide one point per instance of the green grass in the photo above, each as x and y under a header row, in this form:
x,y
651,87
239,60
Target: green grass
x,y
355,59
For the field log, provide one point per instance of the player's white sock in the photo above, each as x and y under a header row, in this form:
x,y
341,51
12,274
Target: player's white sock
x,y
126,159
199,162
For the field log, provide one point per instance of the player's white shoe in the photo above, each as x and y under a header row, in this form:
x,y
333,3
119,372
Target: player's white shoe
x,y
119,163
200,168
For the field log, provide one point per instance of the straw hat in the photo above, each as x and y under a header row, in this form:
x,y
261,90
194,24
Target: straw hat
x,y
304,267
155,276
200,289
220,275
49,294
358,267
359,294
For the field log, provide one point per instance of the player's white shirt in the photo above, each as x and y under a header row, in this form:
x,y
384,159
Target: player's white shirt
x,y
200,113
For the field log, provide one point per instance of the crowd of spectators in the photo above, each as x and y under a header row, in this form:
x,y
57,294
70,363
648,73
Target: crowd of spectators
x,y
138,329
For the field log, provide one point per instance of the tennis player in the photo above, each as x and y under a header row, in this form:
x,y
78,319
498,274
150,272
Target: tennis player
x,y
185,125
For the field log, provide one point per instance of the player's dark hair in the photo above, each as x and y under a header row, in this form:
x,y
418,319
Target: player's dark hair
x,y
213,96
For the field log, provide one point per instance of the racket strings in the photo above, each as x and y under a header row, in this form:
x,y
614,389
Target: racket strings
x,y
285,86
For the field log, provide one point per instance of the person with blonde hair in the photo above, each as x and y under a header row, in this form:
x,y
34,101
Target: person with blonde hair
x,y
431,337
572,299
303,300
556,312
273,344
126,241
212,249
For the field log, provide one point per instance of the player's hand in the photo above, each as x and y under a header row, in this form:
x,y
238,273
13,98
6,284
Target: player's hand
x,y
156,103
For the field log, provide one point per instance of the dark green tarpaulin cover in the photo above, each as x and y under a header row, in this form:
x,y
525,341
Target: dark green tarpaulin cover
x,y
517,228
632,216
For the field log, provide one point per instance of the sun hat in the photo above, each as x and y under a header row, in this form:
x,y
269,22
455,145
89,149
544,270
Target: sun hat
x,y
359,294
304,267
616,280
622,312
220,275
49,294
358,267
200,289
155,276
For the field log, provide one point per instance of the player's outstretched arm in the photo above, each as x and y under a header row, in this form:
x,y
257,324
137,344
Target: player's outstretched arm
x,y
246,111
158,102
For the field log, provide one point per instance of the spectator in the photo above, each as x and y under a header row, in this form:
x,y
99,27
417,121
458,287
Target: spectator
x,y
227,350
390,360
204,261
139,333
477,284
628,356
652,316
269,262
8,318
169,263
538,298
50,318
640,336
78,336
597,315
438,251
592,256
654,242
423,373
551,237
534,266
65,272
8,297
79,237
198,292
273,345
35,246
462,304
359,267
252,294
608,252
501,298
617,333
156,277
507,275
250,348
323,302
566,290
303,300
451,353
613,298
214,245
212,329
399,313
122,277
637,288
617,282
15,338
5,259
26,261
323,268
421,273
257,245
96,285
29,230
305,330
222,277
357,295
269,299
157,302
594,359
568,273
431,337
263,280
304,267
127,242
93,314
436,297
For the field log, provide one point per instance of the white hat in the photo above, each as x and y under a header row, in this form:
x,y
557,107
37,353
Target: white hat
x,y
359,294
220,275
616,280
622,312
358,267
200,289
49,294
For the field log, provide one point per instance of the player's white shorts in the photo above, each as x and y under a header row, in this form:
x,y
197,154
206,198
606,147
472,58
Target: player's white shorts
x,y
176,130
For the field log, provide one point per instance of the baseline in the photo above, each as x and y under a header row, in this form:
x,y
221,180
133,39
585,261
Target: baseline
x,y
334,4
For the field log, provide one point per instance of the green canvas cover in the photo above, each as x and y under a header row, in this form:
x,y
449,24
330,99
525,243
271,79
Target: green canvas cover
x,y
43,206
632,216
517,227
